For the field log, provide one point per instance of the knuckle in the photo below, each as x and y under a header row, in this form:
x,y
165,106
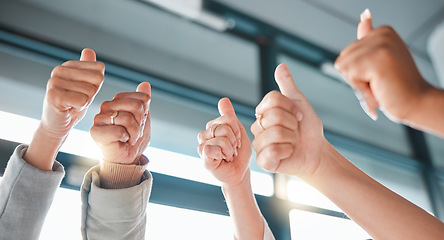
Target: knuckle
x,y
200,137
105,105
278,116
120,131
225,143
68,63
119,95
57,71
387,30
137,105
255,144
145,97
224,130
208,125
199,149
97,119
100,66
82,99
97,77
272,95
273,151
127,119
51,84
263,162
253,129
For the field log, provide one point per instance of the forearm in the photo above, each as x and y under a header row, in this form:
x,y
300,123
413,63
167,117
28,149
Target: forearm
x,y
381,212
429,115
43,150
247,218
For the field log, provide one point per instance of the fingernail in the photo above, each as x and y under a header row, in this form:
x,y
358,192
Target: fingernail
x,y
358,94
124,138
299,116
235,152
224,157
365,14
239,143
366,109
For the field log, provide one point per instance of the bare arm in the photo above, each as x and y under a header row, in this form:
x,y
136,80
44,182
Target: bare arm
x,y
226,151
303,151
381,212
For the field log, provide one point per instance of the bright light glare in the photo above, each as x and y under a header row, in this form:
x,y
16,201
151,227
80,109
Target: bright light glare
x,y
163,222
308,225
300,192
191,168
63,219
21,129
166,222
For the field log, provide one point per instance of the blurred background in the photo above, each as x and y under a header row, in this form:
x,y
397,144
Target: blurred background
x,y
194,52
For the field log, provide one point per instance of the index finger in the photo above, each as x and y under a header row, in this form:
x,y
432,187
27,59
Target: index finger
x,y
274,99
95,66
229,120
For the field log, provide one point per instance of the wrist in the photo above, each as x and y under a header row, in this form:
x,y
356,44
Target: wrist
x,y
328,163
242,185
117,176
424,115
43,150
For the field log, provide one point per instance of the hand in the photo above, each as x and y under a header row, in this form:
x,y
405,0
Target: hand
x,y
288,134
70,90
226,154
123,138
382,72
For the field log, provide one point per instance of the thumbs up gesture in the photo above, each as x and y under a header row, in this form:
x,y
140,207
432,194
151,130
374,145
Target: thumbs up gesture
x,y
379,67
288,133
70,90
122,129
224,146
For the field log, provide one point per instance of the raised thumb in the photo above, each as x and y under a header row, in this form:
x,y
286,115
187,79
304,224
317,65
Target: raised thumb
x,y
365,26
88,55
285,82
225,107
144,87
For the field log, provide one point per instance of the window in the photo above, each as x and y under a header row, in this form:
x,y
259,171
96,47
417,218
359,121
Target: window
x,y
307,225
406,182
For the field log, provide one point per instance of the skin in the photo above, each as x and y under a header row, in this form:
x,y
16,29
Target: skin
x,y
70,90
381,70
227,157
301,150
124,141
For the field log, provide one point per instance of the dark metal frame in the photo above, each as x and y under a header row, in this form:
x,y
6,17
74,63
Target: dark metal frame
x,y
271,41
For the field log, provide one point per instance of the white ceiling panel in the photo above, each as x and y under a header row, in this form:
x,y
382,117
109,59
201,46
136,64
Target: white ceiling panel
x,y
332,24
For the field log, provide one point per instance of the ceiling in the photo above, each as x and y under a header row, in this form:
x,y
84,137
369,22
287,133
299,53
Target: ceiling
x,y
145,38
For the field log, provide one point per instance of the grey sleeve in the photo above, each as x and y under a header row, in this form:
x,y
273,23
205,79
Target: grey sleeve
x,y
114,213
26,194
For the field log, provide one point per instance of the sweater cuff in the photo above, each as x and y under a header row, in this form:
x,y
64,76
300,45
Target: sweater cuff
x,y
118,176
